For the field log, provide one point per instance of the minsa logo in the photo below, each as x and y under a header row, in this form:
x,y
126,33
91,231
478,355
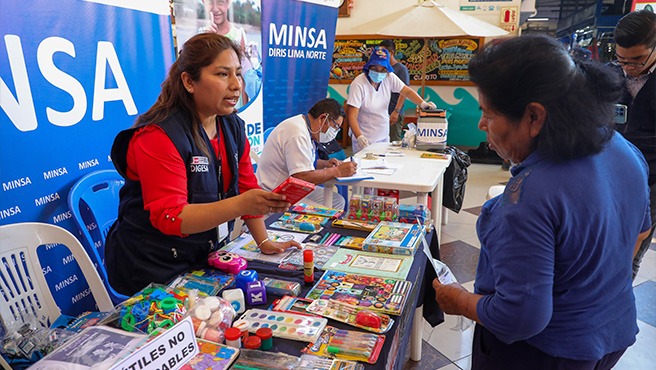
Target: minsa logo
x,y
68,259
18,183
62,216
66,282
46,269
81,295
199,164
55,173
11,211
46,199
88,164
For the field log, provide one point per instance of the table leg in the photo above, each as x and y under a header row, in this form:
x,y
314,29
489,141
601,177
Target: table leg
x,y
436,207
328,195
422,198
417,334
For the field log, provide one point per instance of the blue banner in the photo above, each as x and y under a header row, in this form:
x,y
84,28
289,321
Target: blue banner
x,y
73,74
298,38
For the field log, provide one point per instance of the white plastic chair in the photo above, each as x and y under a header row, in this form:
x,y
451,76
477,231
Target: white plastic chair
x,y
24,292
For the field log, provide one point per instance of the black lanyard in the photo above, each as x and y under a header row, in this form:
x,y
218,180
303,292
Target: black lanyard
x,y
217,158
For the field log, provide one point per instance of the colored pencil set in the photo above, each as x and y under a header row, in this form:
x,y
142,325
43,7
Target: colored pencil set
x,y
348,345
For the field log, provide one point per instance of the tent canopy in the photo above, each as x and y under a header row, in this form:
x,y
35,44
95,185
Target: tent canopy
x,y
428,19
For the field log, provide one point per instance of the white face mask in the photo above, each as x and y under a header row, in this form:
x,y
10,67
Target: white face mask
x,y
328,136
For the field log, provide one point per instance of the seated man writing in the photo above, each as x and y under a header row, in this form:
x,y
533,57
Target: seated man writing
x,y
291,150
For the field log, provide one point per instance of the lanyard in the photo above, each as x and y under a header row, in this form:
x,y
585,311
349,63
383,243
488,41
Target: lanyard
x,y
219,162
307,123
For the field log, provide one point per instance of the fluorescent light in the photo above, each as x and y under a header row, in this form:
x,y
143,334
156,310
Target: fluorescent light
x,y
538,19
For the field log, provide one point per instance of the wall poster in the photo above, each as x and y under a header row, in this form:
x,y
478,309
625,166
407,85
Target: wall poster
x,y
446,58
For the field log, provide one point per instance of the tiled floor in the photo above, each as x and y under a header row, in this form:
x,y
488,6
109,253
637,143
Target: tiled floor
x,y
448,349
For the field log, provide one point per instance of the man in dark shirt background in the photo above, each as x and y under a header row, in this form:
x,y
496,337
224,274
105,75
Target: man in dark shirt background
x,y
635,38
401,71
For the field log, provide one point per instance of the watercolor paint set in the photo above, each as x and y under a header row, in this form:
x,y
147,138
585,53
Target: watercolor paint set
x,y
283,324
348,345
342,312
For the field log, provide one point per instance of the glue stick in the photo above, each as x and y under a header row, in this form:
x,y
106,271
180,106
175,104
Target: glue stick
x,y
308,266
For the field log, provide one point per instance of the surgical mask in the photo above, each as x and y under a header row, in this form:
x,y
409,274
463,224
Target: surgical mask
x,y
377,77
328,136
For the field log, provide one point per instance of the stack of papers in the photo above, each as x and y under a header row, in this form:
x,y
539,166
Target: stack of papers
x,y
369,167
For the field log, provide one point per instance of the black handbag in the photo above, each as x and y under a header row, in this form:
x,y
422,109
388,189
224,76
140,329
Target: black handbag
x,y
455,179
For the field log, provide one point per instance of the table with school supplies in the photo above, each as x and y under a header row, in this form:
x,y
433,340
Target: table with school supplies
x,y
419,301
412,173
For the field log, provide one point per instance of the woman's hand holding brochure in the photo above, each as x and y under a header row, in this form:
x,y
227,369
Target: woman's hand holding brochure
x,y
446,277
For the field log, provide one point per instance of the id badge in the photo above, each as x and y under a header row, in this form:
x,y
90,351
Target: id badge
x,y
223,231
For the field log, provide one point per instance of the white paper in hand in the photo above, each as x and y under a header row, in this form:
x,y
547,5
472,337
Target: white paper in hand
x,y
442,271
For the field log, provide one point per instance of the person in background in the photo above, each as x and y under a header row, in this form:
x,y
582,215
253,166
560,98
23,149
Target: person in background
x,y
369,96
291,150
396,114
635,36
553,283
220,24
187,173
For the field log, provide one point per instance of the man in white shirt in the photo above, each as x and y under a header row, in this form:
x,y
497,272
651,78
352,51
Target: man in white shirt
x,y
290,150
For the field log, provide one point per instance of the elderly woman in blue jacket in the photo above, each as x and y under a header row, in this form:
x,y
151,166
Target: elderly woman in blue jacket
x,y
553,284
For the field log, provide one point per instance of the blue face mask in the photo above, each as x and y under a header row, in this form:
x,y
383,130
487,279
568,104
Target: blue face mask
x,y
377,77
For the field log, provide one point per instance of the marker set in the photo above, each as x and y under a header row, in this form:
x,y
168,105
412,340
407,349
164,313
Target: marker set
x,y
329,239
283,325
347,345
